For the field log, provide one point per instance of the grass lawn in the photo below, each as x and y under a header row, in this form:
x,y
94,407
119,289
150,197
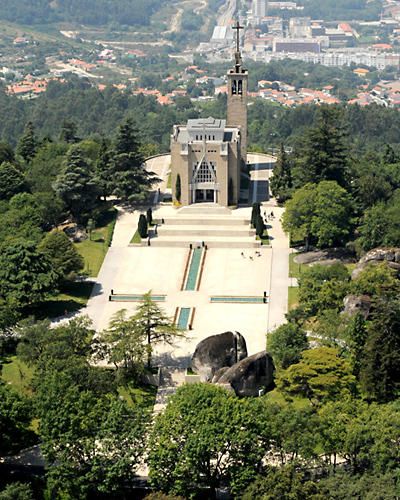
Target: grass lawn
x,y
73,297
294,268
293,297
136,238
143,395
276,396
94,250
264,238
18,375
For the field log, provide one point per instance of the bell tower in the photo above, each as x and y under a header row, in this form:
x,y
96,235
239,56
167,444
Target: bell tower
x,y
237,95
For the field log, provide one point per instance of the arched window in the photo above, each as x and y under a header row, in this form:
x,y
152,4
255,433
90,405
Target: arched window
x,y
234,87
240,87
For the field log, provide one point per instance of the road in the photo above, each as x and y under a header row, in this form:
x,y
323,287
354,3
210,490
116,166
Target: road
x,y
227,13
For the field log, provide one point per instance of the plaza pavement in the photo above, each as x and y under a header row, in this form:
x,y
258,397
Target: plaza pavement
x,y
226,272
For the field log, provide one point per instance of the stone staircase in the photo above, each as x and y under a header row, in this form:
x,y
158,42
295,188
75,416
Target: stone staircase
x,y
206,224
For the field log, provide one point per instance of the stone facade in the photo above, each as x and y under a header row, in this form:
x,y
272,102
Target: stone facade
x,y
208,154
237,105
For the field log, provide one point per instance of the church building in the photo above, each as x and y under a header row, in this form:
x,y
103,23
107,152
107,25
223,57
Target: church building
x,y
207,154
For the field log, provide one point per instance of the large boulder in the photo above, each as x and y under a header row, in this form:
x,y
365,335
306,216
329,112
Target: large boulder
x,y
354,304
216,352
249,376
377,255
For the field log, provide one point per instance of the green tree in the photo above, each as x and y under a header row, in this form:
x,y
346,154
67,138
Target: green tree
x,y
380,225
205,438
255,212
355,334
104,171
178,188
15,419
131,180
40,344
368,486
149,216
286,483
376,280
324,154
323,287
142,226
76,185
17,491
11,181
122,343
320,375
380,372
298,216
331,222
286,344
260,226
282,182
28,144
26,275
62,254
154,325
69,132
6,153
97,442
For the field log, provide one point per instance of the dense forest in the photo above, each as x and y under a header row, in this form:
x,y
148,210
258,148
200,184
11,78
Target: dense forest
x,y
100,112
91,12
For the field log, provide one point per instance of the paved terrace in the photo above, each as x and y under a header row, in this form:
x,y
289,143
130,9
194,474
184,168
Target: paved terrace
x,y
227,271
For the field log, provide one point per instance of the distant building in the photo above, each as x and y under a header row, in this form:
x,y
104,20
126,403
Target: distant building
x,y
259,8
300,27
293,45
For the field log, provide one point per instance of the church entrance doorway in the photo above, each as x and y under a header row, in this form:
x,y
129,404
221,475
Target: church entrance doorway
x,y
205,196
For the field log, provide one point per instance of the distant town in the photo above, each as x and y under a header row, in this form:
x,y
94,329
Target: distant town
x,y
273,31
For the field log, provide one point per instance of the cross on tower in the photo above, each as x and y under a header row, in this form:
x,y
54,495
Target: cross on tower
x,y
237,28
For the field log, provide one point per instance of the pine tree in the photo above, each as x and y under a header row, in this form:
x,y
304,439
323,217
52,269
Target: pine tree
x,y
255,212
69,132
259,226
12,181
281,182
380,371
6,153
149,216
178,188
131,180
324,156
104,171
28,144
142,226
155,325
62,254
76,185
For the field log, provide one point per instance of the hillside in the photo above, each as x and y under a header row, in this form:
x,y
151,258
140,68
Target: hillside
x,y
90,12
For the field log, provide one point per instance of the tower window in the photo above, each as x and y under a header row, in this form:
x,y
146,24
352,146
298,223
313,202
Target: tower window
x,y
234,87
240,87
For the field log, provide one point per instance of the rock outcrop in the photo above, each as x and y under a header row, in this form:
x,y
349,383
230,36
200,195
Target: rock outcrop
x,y
354,304
377,255
249,376
216,352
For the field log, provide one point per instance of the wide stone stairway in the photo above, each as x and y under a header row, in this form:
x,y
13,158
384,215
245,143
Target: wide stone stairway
x,y
205,224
